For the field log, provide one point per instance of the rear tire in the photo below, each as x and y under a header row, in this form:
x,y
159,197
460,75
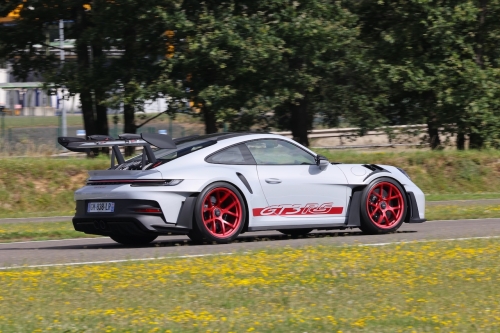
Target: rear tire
x,y
220,214
383,207
133,240
296,232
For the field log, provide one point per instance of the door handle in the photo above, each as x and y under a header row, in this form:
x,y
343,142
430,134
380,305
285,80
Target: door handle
x,y
273,180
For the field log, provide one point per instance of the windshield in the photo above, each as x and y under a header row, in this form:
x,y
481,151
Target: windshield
x,y
182,149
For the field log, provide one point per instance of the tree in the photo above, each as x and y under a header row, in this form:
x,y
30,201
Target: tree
x,y
25,46
440,64
220,59
138,30
244,61
318,38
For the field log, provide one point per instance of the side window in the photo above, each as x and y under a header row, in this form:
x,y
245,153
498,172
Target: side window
x,y
279,152
233,155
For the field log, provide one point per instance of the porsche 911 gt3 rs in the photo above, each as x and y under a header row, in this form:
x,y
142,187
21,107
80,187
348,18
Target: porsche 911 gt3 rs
x,y
215,187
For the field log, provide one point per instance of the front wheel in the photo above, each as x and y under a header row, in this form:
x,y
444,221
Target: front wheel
x,y
220,214
383,207
133,240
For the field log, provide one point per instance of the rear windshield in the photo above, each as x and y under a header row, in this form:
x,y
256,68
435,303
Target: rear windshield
x,y
184,148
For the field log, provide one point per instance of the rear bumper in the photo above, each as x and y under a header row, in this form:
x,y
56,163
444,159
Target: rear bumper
x,y
125,221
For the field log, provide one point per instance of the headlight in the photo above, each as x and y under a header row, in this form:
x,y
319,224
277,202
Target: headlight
x,y
404,173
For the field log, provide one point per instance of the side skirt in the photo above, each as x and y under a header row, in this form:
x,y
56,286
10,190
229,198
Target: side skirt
x,y
301,226
415,215
353,219
354,214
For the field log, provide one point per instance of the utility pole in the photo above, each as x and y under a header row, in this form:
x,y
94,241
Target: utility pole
x,y
61,41
2,113
64,131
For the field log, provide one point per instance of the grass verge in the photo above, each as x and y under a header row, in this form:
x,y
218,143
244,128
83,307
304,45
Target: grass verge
x,y
11,232
441,173
462,196
448,212
413,287
77,120
42,185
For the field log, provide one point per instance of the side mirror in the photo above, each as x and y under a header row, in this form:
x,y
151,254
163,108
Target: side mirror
x,y
322,162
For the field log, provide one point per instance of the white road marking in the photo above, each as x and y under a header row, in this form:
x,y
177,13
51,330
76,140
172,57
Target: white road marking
x,y
231,253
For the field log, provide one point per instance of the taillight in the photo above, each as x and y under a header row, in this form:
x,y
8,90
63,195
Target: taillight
x,y
158,163
136,182
147,210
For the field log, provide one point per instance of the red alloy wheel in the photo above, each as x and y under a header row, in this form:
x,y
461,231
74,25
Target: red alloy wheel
x,y
221,212
385,205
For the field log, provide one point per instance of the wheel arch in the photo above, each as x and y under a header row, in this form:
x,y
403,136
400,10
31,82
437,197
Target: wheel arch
x,y
409,202
245,201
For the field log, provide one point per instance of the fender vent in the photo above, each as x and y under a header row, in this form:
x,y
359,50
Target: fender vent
x,y
373,167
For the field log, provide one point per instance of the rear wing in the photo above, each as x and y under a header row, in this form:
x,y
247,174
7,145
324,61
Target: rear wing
x,y
145,140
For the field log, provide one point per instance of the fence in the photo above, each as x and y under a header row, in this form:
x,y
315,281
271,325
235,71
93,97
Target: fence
x,y
348,138
38,135
42,139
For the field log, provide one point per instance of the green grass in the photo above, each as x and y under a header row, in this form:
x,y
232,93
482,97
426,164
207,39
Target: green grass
x,y
45,187
77,120
443,173
42,185
462,196
413,287
49,121
455,212
12,232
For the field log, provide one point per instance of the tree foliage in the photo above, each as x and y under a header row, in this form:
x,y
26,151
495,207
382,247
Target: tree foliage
x,y
275,63
440,61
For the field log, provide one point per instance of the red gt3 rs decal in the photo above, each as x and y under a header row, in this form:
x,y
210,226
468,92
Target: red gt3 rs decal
x,y
297,209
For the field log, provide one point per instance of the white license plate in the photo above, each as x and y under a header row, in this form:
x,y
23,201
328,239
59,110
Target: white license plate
x,y
101,207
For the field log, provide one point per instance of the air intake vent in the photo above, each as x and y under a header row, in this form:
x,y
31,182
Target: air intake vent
x,y
373,167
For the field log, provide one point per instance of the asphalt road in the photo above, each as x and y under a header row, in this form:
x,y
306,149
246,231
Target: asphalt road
x,y
477,202
88,250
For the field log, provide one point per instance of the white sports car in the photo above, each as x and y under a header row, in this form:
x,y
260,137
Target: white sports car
x,y
215,187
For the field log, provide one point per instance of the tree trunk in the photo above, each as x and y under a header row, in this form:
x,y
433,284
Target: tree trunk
x,y
476,141
83,61
460,135
210,120
460,141
102,126
299,121
87,112
433,131
129,125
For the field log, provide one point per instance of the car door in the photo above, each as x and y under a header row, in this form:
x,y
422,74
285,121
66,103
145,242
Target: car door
x,y
296,189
